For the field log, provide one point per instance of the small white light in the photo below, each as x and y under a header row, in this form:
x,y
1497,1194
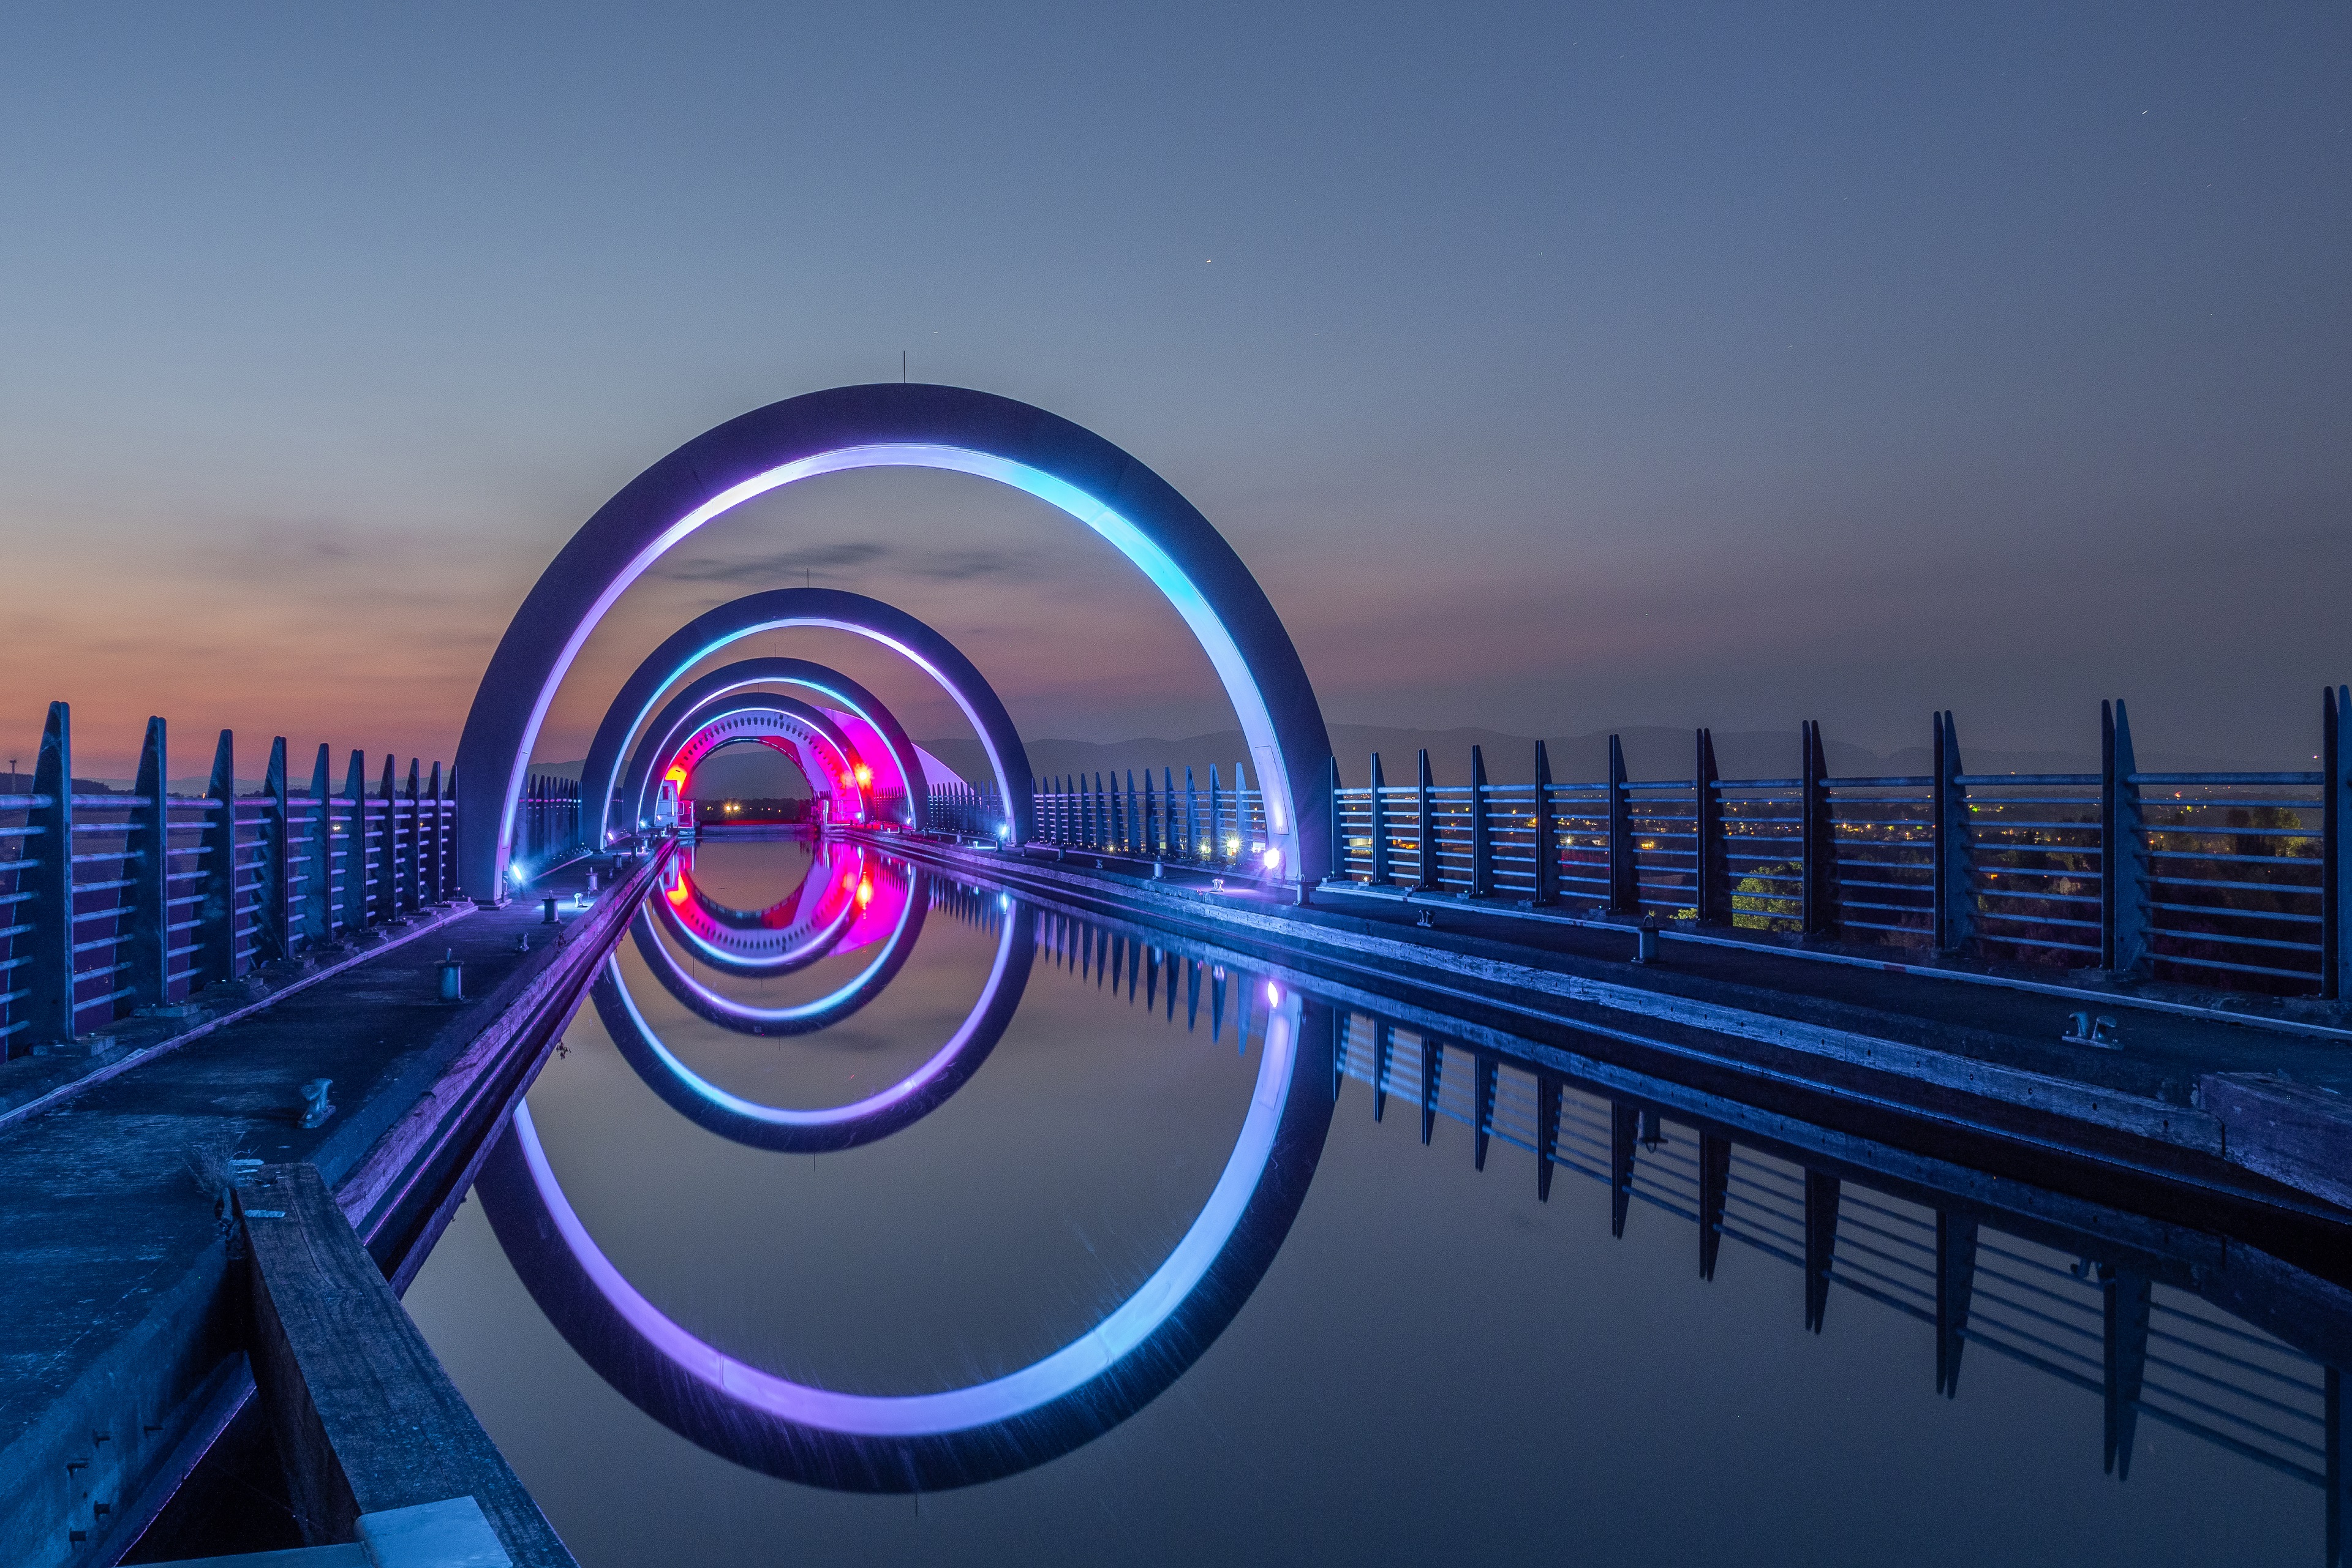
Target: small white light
x,y
1273,860
1272,994
1004,830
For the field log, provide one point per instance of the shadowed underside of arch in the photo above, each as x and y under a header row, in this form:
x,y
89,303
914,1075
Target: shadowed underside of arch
x,y
895,424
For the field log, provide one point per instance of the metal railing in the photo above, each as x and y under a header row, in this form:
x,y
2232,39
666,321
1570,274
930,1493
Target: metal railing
x,y
1206,825
118,904
2233,880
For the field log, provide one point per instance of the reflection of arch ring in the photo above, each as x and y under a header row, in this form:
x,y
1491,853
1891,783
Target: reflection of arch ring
x,y
877,1115
800,1017
767,951
888,426
902,1442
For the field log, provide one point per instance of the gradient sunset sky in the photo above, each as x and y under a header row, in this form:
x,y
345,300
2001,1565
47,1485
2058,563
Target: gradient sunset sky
x,y
1555,367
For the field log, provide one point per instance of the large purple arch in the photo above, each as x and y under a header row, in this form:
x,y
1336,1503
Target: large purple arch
x,y
602,779
681,729
782,607
897,424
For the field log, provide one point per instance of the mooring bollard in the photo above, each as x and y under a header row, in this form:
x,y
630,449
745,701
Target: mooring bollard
x,y
547,910
453,977
316,1108
592,879
1645,942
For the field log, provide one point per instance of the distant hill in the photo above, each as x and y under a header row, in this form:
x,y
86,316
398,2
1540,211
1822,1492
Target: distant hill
x,y
1652,751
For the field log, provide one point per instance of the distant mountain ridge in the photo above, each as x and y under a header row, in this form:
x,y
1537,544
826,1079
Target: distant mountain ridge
x,y
1652,751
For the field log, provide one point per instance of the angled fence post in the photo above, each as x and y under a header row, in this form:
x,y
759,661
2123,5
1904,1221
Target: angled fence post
x,y
1954,844
1151,844
451,886
272,928
2334,796
1138,836
1482,836
148,868
1171,846
1624,888
1216,821
1546,832
2123,858
1712,864
1379,827
216,909
49,978
1424,829
1192,817
1817,839
355,860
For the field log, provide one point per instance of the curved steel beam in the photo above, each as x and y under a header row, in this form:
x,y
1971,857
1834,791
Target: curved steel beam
x,y
604,767
894,424
781,608
961,1436
665,743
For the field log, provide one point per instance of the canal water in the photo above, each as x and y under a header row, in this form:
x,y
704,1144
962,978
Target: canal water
x,y
872,1217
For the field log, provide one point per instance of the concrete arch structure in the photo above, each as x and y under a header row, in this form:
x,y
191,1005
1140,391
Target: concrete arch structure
x,y
902,761
755,716
884,425
780,608
961,1436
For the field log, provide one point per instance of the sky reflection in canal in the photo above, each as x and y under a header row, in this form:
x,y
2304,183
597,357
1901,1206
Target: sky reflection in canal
x,y
1428,1363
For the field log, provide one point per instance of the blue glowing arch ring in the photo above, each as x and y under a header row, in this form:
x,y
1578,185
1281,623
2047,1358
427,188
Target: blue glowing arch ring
x,y
902,425
665,745
775,610
744,674
831,1128
959,1436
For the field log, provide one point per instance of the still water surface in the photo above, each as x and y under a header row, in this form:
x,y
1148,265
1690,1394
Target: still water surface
x,y
852,1178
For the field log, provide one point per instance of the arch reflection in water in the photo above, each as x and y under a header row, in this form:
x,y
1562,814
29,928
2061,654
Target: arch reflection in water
x,y
839,904
879,899
958,1435
818,1130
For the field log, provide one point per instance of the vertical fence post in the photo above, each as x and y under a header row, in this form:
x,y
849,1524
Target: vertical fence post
x,y
355,866
1216,820
319,883
1151,835
451,886
1482,836
414,900
2123,859
1338,867
1817,840
1137,835
1379,827
1424,826
148,868
1711,865
1169,844
217,911
1954,844
432,861
2334,796
1625,889
387,865
1546,832
49,978
273,925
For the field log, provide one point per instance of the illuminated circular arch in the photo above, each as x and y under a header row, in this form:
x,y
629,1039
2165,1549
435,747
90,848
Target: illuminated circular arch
x,y
895,424
676,750
958,1436
831,1128
748,674
780,609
